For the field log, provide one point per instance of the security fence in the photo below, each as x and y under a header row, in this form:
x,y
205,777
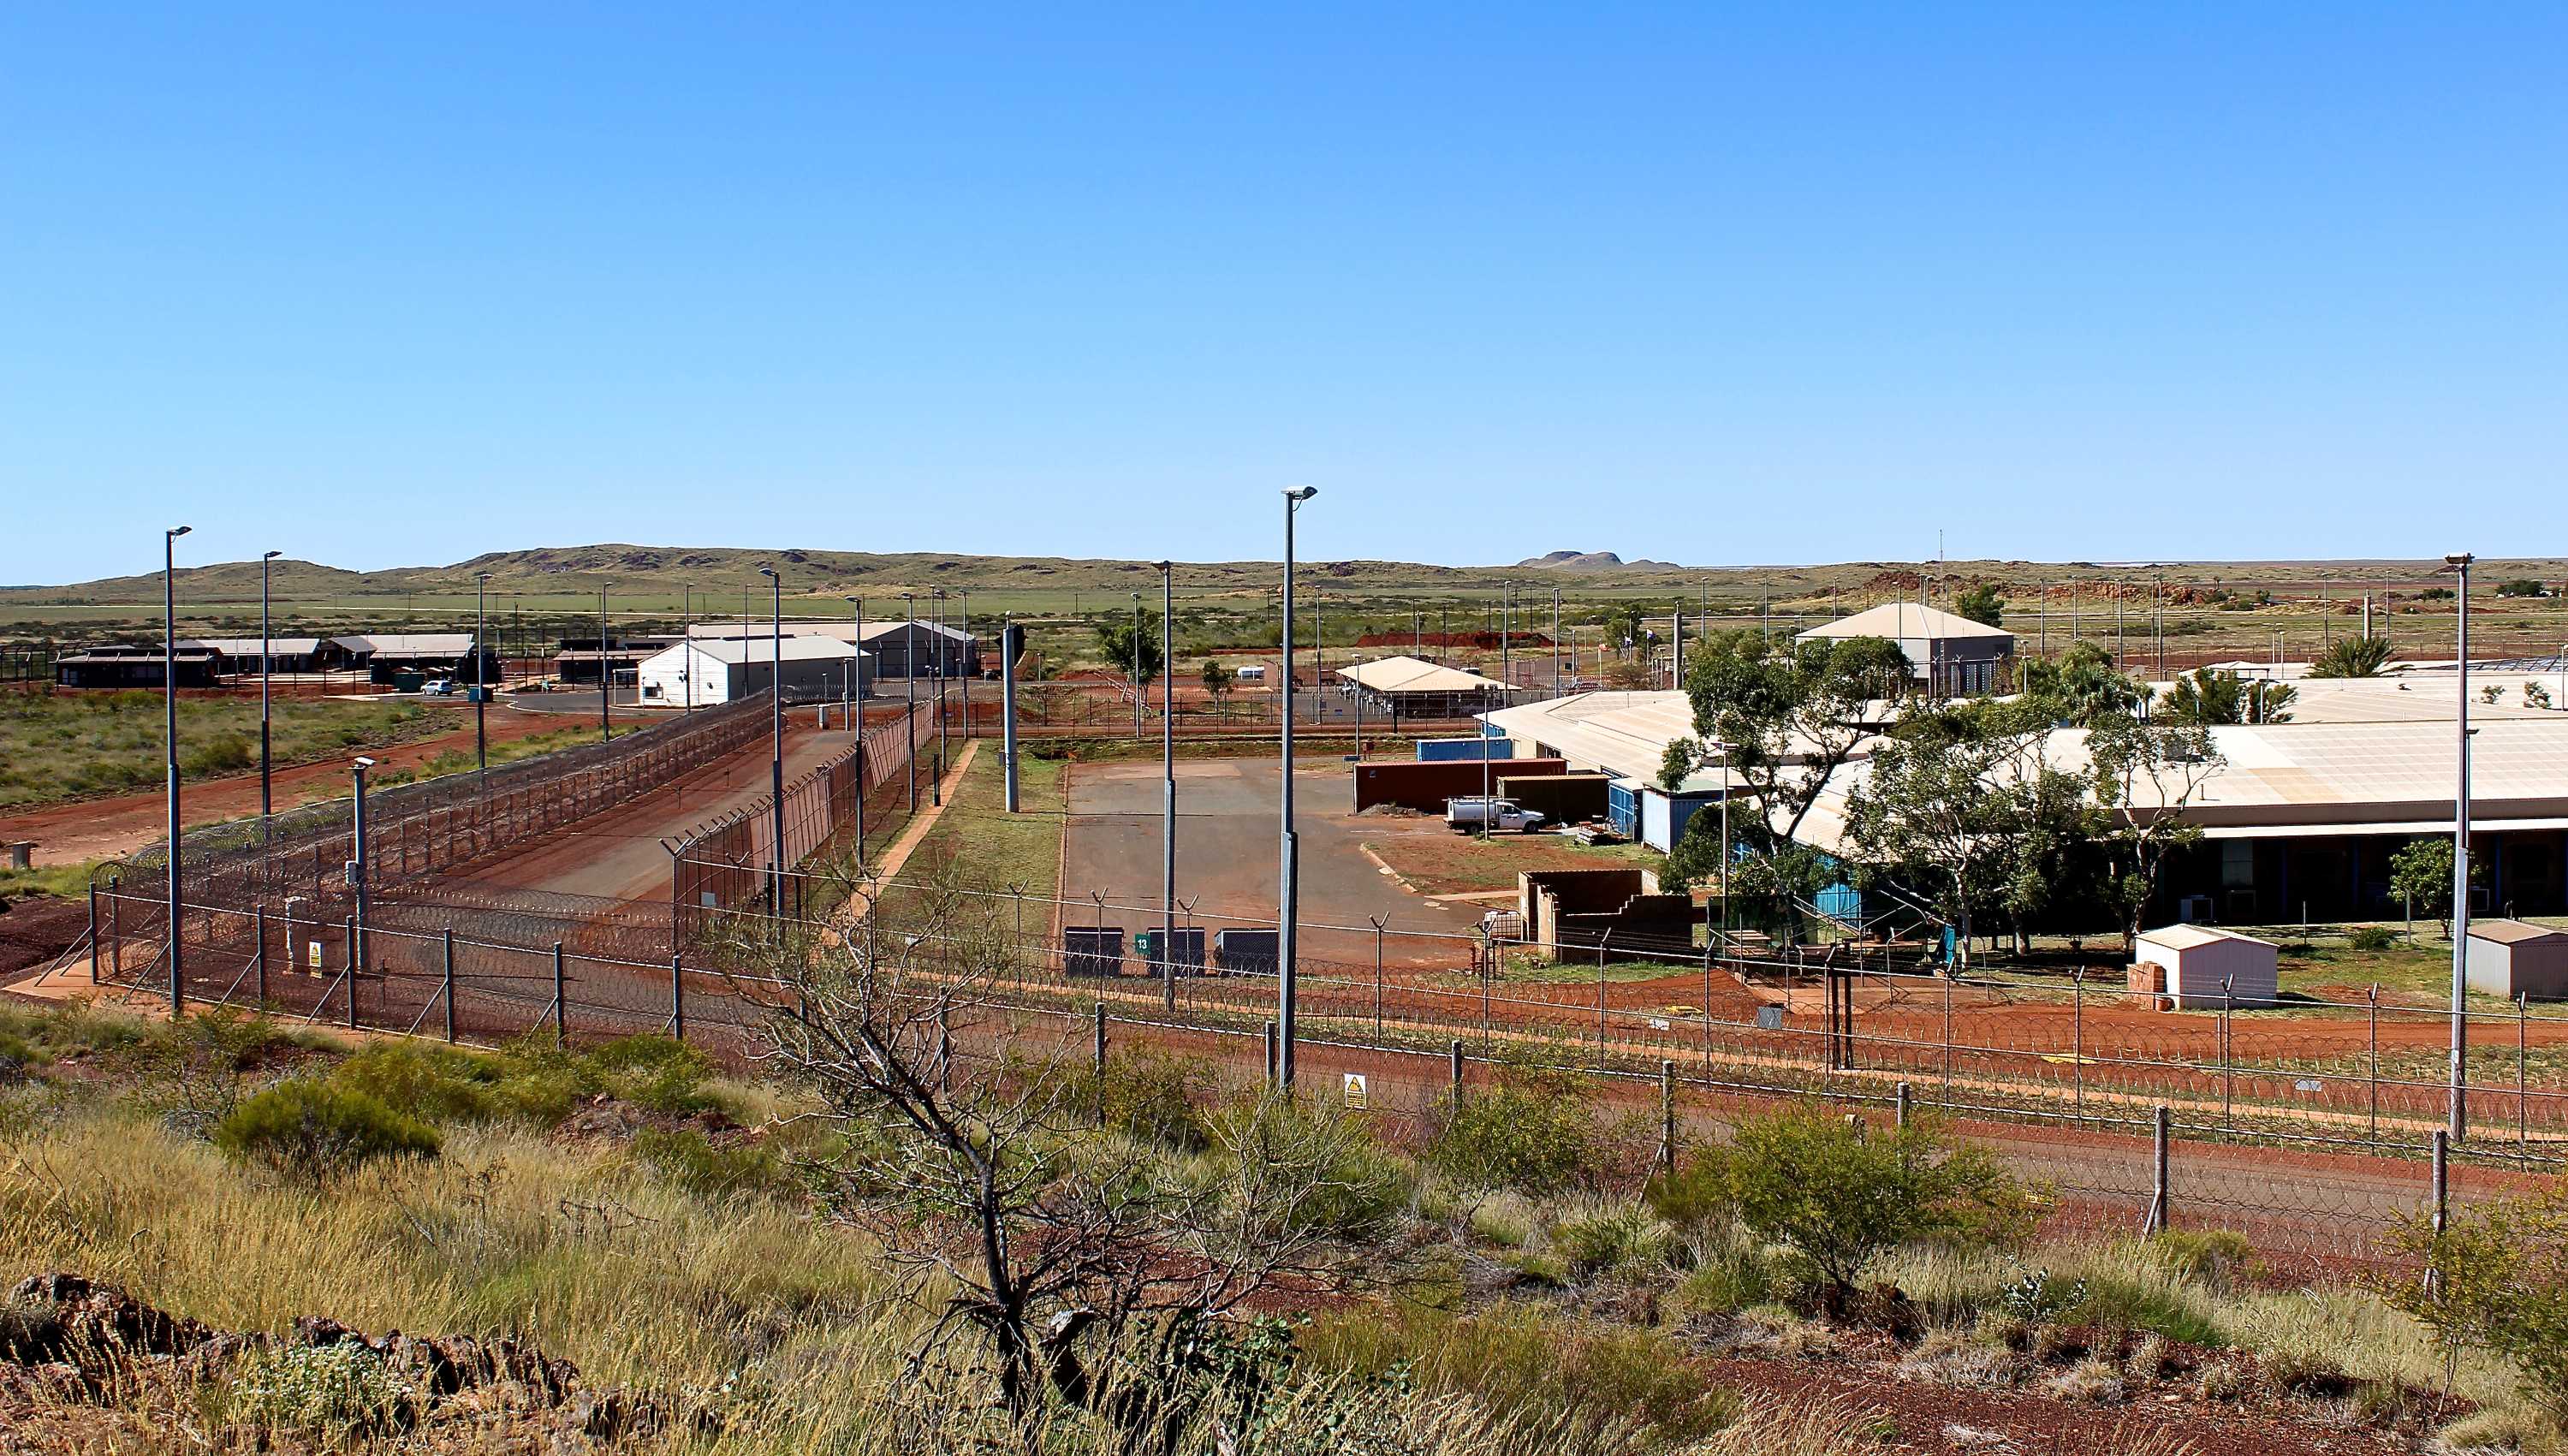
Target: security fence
x,y
2311,1132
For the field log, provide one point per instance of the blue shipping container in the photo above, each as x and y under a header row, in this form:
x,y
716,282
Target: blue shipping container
x,y
1443,750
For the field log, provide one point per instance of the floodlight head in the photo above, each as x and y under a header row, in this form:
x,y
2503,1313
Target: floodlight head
x,y
476,576
365,762
2459,558
765,570
269,555
1299,494
176,531
1162,566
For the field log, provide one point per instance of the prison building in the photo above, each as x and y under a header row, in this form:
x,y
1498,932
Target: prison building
x,y
897,648
1947,656
118,665
577,659
389,656
701,673
239,655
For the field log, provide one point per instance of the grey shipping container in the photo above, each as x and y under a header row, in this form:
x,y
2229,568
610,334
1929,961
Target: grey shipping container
x,y
1252,951
1091,950
1185,949
1447,750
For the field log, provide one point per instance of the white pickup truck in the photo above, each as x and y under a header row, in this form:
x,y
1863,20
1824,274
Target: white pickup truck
x,y
1500,816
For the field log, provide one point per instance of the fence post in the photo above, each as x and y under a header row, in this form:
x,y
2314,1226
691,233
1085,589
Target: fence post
x,y
258,956
677,997
2523,1083
1457,1073
1668,1115
352,973
93,935
116,924
1899,1105
1101,1041
2077,1040
2371,1117
2225,1078
2441,1189
1270,1053
447,990
2156,1219
561,1006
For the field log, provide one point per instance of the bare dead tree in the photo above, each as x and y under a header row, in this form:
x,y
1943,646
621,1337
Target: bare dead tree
x,y
1093,1269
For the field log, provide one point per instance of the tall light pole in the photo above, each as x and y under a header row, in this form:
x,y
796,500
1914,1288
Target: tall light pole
x,y
605,681
936,785
1555,642
2459,1109
1135,644
857,714
358,873
687,642
776,765
266,662
909,690
170,724
1289,864
482,678
1168,784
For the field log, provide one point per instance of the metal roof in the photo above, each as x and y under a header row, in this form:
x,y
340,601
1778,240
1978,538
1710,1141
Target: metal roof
x,y
2513,932
1903,620
408,644
250,645
1413,675
2187,937
843,629
762,649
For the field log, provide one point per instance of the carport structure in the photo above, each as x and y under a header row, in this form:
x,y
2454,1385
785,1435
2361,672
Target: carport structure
x,y
1407,687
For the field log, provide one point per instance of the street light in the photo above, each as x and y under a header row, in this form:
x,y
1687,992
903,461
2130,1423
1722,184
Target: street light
x,y
2459,1108
775,767
909,690
1289,866
855,713
266,662
357,876
605,682
1168,784
1135,644
481,679
169,723
936,783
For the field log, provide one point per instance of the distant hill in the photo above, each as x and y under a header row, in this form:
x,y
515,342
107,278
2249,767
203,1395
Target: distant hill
x,y
1592,561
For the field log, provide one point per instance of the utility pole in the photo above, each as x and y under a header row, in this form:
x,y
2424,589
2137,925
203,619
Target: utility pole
x,y
1168,782
1289,867
776,765
606,680
2458,1123
266,663
909,690
481,684
1555,642
1135,644
170,709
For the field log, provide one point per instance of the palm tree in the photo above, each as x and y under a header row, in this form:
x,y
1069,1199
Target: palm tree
x,y
2352,656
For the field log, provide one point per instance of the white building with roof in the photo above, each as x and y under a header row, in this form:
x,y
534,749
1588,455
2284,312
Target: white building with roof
x,y
1948,655
1415,688
701,673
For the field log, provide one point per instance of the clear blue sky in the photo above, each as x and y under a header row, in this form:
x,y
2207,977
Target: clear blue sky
x,y
1783,284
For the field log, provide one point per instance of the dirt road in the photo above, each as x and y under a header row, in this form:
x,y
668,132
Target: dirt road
x,y
110,827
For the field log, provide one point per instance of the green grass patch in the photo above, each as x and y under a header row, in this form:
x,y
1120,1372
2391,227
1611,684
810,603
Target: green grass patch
x,y
66,746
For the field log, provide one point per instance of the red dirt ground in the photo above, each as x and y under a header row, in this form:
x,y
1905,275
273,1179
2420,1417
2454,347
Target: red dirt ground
x,y
109,827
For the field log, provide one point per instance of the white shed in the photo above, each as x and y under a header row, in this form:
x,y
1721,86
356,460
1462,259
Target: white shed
x,y
2190,961
2510,958
703,673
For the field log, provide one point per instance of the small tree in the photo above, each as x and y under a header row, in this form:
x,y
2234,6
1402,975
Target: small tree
x,y
1121,644
2421,875
1839,1195
2496,1277
2145,775
1217,683
2521,587
1983,604
2081,686
2208,698
2535,696
2352,657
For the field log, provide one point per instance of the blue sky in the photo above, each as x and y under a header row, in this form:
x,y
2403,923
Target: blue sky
x,y
1715,285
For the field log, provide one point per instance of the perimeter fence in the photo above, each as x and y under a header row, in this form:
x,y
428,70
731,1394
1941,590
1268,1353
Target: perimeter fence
x,y
2299,1125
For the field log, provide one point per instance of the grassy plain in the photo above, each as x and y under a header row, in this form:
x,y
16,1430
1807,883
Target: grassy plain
x,y
65,746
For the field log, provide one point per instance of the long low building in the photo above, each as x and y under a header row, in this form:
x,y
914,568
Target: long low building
x,y
700,673
119,666
898,647
2298,818
236,656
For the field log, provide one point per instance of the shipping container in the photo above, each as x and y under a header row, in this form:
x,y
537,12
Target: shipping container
x,y
1185,948
1243,950
1426,787
1564,798
1091,950
1473,749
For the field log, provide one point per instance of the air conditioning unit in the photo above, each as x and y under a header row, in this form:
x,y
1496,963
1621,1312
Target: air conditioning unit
x,y
2194,910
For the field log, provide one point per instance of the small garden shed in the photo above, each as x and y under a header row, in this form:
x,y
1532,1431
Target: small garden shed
x,y
2188,964
2510,957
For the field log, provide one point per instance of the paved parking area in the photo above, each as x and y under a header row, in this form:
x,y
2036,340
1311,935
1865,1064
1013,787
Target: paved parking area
x,y
1227,837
